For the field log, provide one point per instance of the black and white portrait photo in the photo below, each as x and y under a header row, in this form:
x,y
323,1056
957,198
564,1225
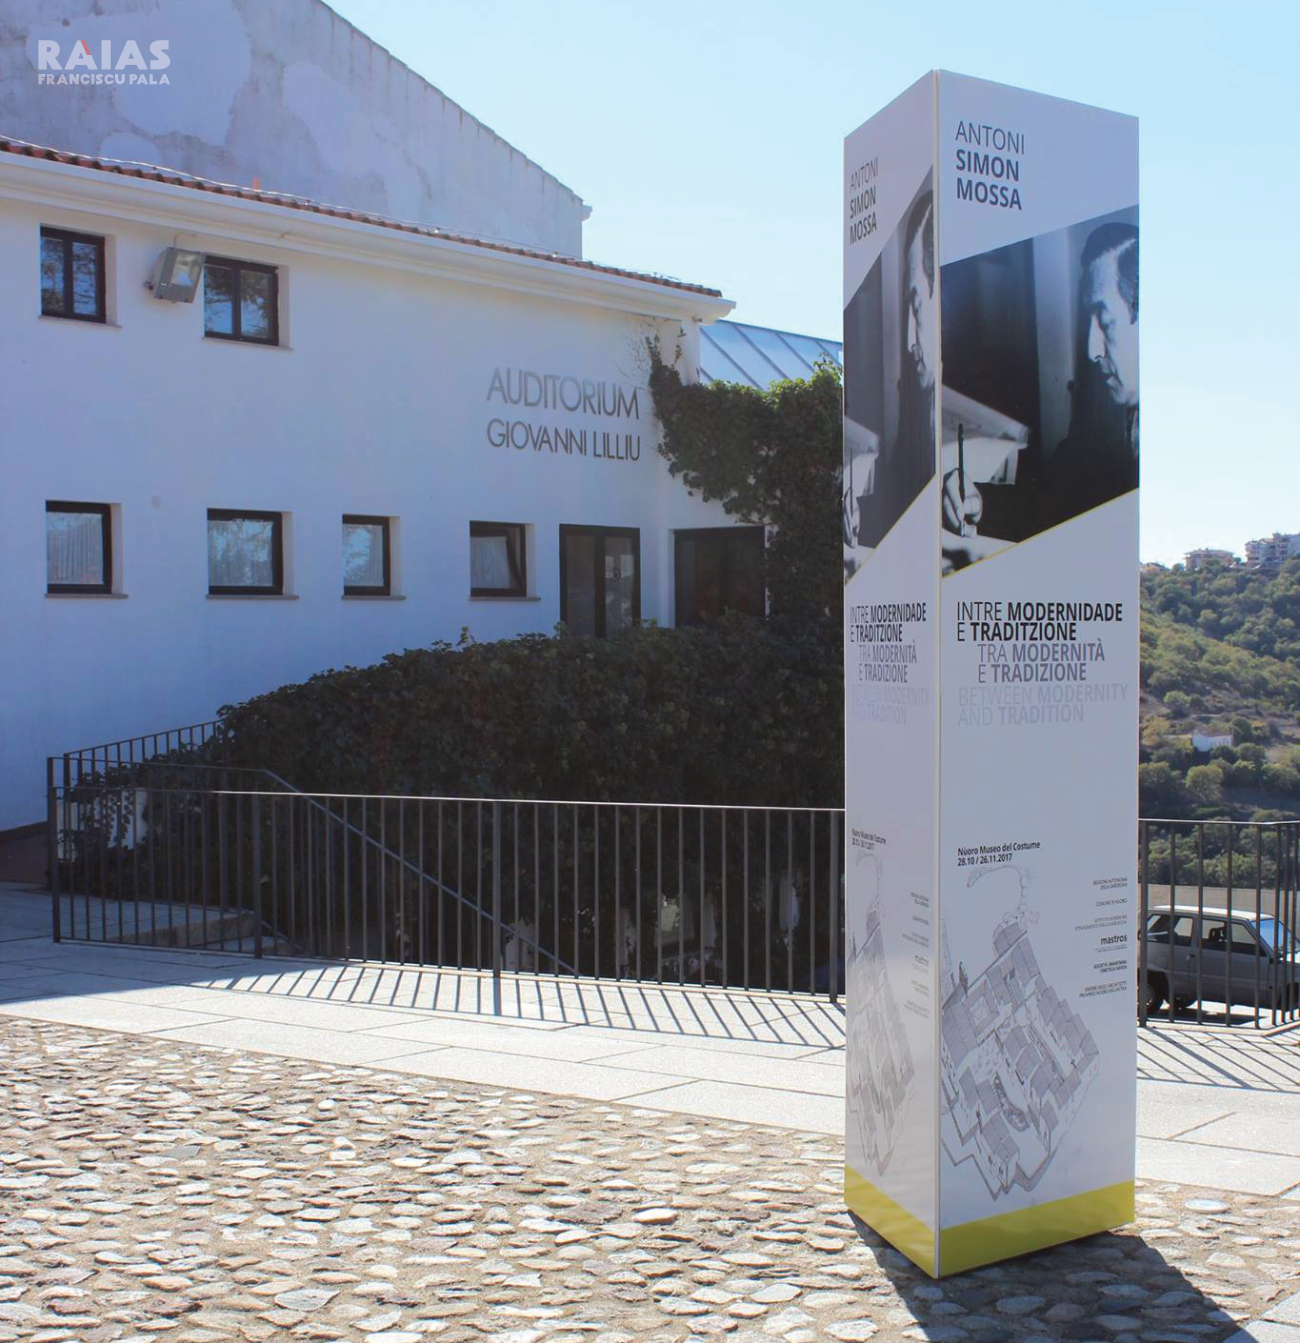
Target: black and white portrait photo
x,y
890,346
1040,385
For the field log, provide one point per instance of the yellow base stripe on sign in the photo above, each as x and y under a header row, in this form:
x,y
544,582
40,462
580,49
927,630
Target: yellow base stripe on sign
x,y
973,1244
990,1239
906,1233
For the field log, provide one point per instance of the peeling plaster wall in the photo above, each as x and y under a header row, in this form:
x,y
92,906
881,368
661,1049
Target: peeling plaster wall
x,y
287,92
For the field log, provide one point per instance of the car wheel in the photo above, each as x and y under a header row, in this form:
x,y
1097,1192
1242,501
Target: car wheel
x,y
1153,995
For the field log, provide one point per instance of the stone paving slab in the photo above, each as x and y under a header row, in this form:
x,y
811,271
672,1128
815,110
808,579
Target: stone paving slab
x,y
121,965
714,1044
1159,1118
1240,1057
1265,1331
1261,1132
43,983
186,959
817,1079
294,1042
16,968
592,1081
575,1046
330,1016
20,948
1248,1171
1286,1310
155,1189
492,1019
1278,1098
754,1104
26,914
12,990
104,1013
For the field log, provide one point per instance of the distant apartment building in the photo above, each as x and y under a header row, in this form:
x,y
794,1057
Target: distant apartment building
x,y
1271,553
1198,559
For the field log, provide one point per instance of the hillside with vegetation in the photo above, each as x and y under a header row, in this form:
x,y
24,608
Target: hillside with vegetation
x,y
1220,656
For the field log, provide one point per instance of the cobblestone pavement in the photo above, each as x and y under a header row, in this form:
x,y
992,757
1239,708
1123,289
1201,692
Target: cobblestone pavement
x,y
152,1190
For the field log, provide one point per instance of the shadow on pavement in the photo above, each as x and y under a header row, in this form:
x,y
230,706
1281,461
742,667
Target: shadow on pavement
x,y
1153,1283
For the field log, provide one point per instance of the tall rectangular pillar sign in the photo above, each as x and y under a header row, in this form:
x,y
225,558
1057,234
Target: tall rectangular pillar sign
x,y
990,516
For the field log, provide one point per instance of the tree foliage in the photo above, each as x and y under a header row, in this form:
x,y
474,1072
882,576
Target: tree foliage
x,y
1244,608
1217,658
1181,662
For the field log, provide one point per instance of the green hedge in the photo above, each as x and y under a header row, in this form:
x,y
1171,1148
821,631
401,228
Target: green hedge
x,y
749,712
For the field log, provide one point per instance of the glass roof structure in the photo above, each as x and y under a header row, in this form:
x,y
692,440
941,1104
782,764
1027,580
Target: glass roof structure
x,y
759,355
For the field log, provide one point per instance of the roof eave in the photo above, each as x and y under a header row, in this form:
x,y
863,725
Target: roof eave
x,y
181,209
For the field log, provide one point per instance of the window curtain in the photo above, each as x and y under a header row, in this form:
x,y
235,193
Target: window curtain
x,y
74,548
490,565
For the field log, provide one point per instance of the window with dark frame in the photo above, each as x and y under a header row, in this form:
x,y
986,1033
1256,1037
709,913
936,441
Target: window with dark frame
x,y
78,547
367,556
245,553
718,569
241,301
498,559
600,579
72,275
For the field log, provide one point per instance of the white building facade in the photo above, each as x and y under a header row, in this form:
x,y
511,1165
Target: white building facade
x,y
1272,552
359,437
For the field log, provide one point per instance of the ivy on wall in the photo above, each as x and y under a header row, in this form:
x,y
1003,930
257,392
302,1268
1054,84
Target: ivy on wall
x,y
773,457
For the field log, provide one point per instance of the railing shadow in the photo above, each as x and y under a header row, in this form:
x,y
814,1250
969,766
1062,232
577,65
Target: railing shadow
x,y
1242,1062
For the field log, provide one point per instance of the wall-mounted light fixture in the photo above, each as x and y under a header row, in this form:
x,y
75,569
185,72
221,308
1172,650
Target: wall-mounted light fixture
x,y
176,276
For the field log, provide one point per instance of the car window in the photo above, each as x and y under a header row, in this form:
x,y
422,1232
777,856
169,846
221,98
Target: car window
x,y
1274,934
1214,935
1243,939
1158,929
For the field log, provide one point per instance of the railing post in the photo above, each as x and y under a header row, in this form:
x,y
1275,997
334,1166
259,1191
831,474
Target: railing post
x,y
257,875
52,846
496,908
1144,905
835,884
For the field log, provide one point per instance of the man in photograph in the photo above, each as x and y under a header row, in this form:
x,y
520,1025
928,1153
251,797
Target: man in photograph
x,y
903,469
1098,459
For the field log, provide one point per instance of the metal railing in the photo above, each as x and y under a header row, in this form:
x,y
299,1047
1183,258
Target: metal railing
x,y
152,839
1216,922
89,762
208,855
109,760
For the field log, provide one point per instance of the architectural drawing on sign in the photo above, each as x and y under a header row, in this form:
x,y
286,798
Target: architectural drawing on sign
x,y
1017,1060
880,1070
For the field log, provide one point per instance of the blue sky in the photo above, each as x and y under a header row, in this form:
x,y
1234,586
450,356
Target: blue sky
x,y
707,140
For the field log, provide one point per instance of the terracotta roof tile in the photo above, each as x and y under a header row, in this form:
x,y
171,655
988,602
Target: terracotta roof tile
x,y
174,177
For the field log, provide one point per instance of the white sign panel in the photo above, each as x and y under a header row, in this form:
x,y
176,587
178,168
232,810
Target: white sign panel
x,y
991,636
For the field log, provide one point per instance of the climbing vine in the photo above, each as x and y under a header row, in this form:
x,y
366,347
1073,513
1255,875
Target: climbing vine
x,y
770,457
